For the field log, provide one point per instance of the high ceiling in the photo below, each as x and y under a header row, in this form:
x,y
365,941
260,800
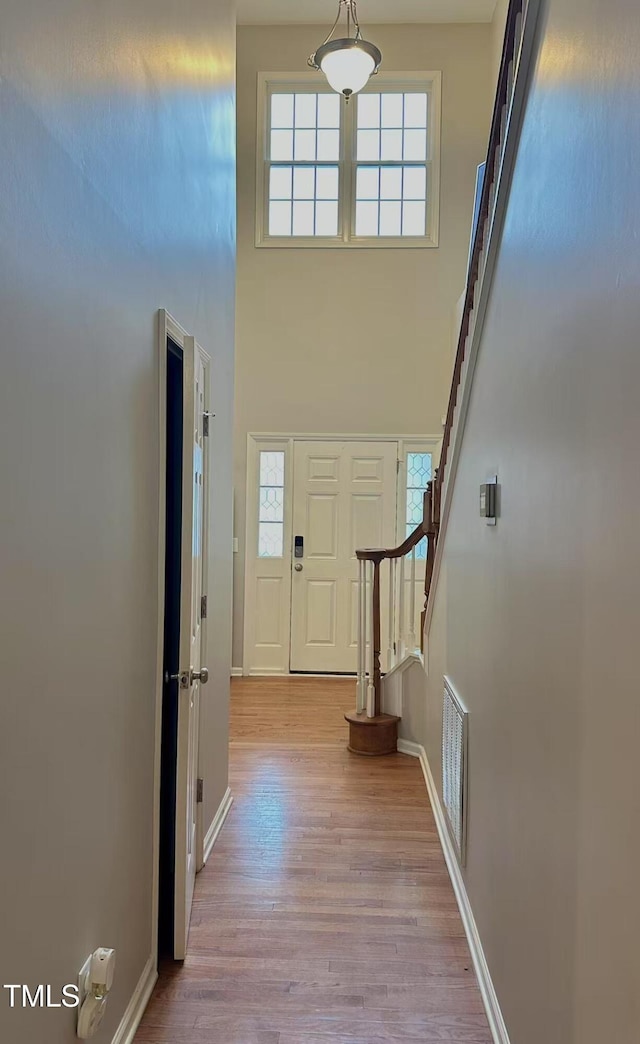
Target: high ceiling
x,y
319,12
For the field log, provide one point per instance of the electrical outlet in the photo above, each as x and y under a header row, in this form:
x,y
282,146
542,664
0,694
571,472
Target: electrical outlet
x,y
83,976
95,979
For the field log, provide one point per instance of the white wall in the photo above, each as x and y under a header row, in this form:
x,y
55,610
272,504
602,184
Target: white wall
x,y
116,198
353,341
539,625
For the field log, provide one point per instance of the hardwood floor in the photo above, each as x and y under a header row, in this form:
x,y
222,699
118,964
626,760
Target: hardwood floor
x,y
297,710
325,914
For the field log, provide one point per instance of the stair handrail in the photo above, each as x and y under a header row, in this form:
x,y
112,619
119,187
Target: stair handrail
x,y
369,686
369,611
494,155
371,554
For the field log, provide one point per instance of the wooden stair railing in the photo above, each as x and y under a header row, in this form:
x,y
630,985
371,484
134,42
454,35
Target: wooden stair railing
x,y
370,730
495,153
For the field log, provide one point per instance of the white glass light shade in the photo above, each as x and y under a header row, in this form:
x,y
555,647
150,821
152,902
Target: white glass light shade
x,y
348,70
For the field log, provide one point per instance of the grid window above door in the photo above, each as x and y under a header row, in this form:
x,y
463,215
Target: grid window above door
x,y
391,172
358,175
304,173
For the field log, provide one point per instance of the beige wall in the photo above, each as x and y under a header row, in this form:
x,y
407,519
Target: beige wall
x,y
497,35
353,341
116,198
539,626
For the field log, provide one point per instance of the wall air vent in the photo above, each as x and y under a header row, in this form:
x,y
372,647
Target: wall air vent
x,y
454,768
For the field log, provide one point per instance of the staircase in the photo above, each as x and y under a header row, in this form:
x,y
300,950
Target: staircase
x,y
371,730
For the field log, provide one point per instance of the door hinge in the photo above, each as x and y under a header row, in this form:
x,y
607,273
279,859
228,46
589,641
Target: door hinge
x,y
206,417
199,791
203,607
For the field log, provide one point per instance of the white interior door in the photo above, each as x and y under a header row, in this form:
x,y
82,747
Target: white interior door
x,y
192,673
344,498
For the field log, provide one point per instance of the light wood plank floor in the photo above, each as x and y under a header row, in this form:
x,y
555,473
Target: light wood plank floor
x,y
325,914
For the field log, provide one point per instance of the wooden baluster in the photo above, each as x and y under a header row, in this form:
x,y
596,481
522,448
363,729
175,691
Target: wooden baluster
x,y
367,606
361,697
391,659
376,639
402,646
396,609
371,671
412,605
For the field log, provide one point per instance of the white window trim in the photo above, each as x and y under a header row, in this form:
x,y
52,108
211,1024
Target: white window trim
x,y
302,83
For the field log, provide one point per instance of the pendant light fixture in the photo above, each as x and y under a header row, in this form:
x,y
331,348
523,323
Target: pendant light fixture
x,y
350,61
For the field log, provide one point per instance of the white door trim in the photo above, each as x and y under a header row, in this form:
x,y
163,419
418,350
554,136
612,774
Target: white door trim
x,y
284,441
167,326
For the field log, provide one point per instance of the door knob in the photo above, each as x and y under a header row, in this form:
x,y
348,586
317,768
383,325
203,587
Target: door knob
x,y
298,567
187,678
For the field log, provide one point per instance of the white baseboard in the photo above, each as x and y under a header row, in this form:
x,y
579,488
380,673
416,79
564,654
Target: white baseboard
x,y
216,826
487,990
126,1031
237,672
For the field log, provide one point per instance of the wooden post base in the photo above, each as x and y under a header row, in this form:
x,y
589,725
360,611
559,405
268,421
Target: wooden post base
x,y
372,736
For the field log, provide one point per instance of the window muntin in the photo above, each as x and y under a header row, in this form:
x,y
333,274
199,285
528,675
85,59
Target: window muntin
x,y
391,158
365,174
271,505
419,468
304,172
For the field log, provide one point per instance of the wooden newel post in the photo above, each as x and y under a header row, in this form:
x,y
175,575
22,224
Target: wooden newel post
x,y
372,732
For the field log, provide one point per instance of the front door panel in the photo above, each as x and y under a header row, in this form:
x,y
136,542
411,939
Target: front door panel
x,y
344,498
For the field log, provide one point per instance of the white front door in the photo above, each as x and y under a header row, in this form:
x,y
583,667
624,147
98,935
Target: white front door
x,y
344,498
196,364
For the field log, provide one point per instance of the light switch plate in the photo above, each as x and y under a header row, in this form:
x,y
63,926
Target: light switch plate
x,y
489,500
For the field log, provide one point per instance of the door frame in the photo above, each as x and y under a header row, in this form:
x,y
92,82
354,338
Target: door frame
x,y
168,327
284,442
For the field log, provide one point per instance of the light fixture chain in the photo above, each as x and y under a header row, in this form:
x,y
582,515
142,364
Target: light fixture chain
x,y
357,48
354,11
333,29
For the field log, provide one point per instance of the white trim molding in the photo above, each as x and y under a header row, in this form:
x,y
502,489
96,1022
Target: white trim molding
x,y
487,990
167,327
217,824
429,82
136,1007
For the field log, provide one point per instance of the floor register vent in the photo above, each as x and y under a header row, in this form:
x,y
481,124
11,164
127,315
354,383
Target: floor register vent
x,y
454,768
